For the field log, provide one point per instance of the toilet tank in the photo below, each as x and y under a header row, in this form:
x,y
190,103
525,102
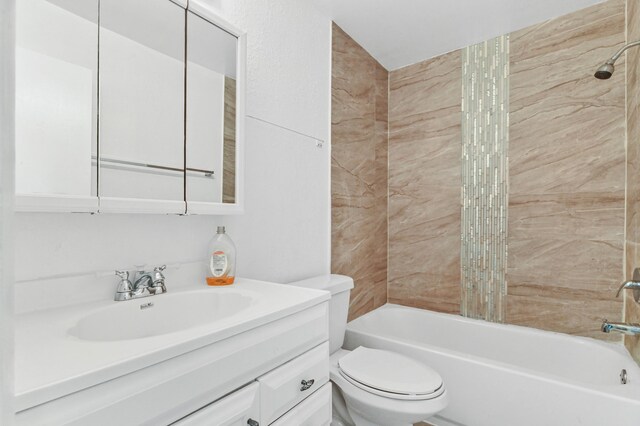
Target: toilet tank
x,y
340,287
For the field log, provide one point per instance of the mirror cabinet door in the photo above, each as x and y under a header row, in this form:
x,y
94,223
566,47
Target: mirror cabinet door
x,y
141,143
56,102
211,113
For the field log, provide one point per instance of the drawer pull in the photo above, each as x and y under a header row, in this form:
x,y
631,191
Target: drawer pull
x,y
252,422
306,384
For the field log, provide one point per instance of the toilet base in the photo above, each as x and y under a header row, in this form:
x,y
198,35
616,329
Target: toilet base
x,y
339,412
353,406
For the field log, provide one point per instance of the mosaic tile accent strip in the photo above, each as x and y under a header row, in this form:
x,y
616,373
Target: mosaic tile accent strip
x,y
485,141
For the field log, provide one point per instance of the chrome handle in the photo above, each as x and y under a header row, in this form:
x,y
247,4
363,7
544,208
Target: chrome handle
x,y
306,384
158,280
252,422
633,284
628,284
124,286
123,274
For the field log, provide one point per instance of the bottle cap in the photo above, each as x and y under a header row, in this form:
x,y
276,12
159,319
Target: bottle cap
x,y
221,229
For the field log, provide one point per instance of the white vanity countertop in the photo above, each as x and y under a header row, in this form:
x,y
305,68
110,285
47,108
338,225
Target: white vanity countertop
x,y
50,362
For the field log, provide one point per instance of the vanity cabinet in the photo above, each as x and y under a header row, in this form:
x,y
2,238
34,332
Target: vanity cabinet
x,y
241,408
289,384
255,374
294,394
313,411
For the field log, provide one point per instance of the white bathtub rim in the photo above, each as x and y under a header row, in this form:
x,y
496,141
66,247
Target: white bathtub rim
x,y
618,347
629,392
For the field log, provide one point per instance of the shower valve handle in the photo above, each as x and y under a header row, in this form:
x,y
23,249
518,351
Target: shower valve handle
x,y
633,284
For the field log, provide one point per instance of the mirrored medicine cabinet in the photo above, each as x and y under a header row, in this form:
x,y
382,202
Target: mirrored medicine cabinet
x,y
132,106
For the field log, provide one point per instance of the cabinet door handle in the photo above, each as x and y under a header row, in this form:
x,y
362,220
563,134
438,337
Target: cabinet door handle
x,y
306,384
252,422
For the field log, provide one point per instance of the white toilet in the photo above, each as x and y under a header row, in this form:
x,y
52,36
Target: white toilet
x,y
374,387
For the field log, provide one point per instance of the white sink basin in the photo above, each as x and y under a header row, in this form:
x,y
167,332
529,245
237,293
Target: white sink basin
x,y
99,340
162,314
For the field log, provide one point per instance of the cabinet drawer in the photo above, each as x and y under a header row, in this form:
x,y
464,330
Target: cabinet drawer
x,y
292,382
313,411
236,409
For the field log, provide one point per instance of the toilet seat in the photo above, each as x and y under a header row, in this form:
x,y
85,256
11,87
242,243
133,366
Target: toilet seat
x,y
390,375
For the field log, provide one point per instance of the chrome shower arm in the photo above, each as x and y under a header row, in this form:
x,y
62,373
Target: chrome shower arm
x,y
606,70
619,53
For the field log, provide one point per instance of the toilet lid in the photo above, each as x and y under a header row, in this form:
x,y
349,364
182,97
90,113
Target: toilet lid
x,y
390,372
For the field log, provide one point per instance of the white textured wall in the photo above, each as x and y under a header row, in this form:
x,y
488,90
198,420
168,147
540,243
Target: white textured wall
x,y
7,33
289,62
285,231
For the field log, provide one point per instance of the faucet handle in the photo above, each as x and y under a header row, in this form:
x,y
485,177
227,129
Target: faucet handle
x,y
627,284
125,285
157,273
158,280
124,275
634,285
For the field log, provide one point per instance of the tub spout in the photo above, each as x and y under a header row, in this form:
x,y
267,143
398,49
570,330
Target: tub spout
x,y
620,327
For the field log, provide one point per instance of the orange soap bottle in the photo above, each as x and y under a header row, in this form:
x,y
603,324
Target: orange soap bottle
x,y
222,259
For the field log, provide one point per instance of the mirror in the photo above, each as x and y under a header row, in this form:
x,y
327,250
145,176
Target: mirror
x,y
211,128
142,52
129,106
56,98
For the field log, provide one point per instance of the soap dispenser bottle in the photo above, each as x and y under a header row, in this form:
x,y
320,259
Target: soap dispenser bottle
x,y
222,259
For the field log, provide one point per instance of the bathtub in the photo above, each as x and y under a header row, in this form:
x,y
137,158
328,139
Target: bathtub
x,y
506,375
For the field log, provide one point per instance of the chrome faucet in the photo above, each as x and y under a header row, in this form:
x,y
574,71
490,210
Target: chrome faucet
x,y
633,284
629,329
145,284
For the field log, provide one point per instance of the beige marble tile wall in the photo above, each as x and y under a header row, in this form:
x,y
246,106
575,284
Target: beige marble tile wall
x,y
567,176
424,184
632,309
567,173
359,138
567,155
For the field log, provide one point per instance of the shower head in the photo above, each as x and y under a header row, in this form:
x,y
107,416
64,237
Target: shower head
x,y
605,70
